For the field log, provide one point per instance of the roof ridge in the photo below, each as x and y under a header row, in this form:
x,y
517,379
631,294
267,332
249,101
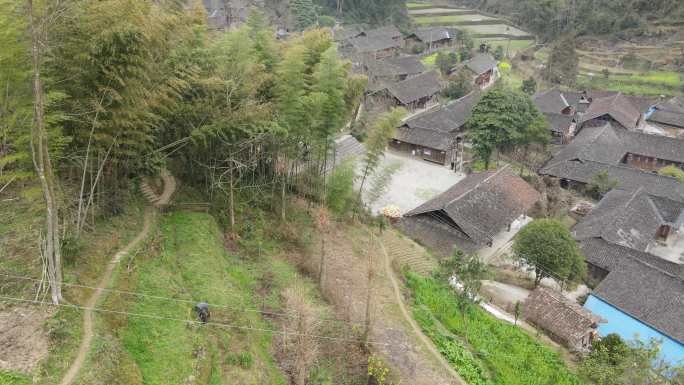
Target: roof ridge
x,y
477,185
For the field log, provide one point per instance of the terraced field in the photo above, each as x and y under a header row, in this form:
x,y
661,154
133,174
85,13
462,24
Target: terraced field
x,y
479,25
408,255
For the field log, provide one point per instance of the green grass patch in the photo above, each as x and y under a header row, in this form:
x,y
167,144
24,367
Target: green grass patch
x,y
497,353
630,85
413,5
12,378
193,265
429,60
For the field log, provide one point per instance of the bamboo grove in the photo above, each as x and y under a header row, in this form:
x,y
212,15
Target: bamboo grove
x,y
117,89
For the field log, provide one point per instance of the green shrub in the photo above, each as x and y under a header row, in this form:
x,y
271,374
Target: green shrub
x,y
340,195
672,171
242,359
326,21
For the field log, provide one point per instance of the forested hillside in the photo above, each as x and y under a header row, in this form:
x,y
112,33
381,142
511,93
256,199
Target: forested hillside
x,y
552,18
367,11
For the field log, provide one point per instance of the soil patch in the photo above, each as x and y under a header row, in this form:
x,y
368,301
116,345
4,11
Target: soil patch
x,y
23,340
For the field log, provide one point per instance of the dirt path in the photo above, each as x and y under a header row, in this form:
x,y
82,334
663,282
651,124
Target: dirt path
x,y
408,318
84,348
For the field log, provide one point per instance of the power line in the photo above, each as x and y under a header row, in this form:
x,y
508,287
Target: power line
x,y
292,315
219,324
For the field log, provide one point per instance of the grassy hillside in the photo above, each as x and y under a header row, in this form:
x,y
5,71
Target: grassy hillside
x,y
185,260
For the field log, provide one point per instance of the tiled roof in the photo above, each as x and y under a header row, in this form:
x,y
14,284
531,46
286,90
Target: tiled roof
x,y
438,129
643,290
480,63
618,107
552,101
609,256
559,123
603,148
424,85
431,35
629,218
435,233
367,44
670,118
449,117
483,204
427,138
554,312
396,66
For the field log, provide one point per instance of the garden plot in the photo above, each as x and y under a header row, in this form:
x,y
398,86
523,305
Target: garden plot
x,y
472,18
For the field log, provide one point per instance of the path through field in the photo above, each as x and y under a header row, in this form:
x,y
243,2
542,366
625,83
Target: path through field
x,y
407,316
84,348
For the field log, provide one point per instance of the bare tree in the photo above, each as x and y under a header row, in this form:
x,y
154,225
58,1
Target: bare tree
x,y
43,163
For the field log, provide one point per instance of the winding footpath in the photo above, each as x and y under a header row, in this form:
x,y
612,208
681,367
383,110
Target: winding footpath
x,y
86,342
416,329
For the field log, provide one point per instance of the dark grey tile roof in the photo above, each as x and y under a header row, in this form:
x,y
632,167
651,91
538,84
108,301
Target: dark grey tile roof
x,y
596,149
629,218
559,123
367,44
385,31
618,107
449,117
431,35
437,235
483,204
561,316
396,66
442,141
628,178
641,288
609,256
346,146
480,63
675,119
424,85
552,101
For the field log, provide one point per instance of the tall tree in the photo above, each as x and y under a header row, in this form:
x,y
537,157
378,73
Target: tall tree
x,y
547,246
563,64
502,119
42,160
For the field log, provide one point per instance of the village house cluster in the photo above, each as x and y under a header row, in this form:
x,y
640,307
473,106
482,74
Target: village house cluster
x,y
632,237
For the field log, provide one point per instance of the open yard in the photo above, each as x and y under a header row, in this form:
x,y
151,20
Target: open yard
x,y
415,182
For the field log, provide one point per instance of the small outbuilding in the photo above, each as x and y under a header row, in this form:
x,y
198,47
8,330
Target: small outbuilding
x,y
567,321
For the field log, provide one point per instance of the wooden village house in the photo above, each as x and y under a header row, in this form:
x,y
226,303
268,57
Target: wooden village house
x,y
484,69
414,93
472,212
437,136
432,38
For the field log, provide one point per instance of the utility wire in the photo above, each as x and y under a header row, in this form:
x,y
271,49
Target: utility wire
x,y
292,315
219,324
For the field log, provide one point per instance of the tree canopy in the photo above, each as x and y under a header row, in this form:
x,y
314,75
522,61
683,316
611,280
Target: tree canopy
x,y
547,246
502,119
